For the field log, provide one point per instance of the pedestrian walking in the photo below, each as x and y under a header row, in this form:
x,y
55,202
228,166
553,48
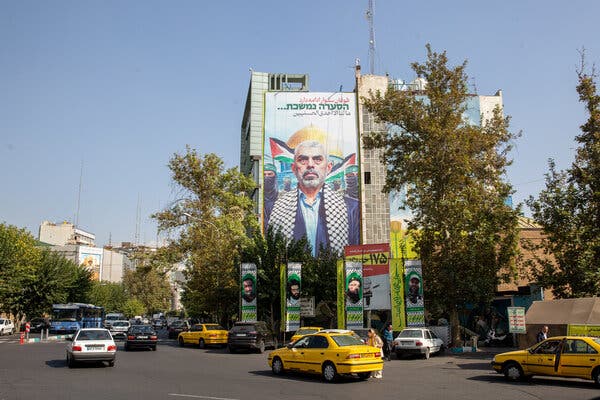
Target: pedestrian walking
x,y
388,340
375,341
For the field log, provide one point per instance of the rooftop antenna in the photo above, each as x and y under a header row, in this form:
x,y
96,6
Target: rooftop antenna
x,y
371,38
79,195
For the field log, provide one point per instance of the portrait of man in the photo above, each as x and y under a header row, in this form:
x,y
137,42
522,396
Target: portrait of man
x,y
293,290
326,218
248,288
354,288
414,290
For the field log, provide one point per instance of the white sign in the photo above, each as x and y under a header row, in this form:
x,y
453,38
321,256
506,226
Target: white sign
x,y
307,307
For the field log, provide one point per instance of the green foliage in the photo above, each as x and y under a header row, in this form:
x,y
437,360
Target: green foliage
x,y
568,258
452,173
150,287
32,279
110,295
212,220
133,307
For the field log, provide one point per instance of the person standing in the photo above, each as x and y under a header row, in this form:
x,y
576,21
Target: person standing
x,y
388,339
375,341
542,334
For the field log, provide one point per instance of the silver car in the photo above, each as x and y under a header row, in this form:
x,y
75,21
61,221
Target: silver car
x,y
119,329
91,345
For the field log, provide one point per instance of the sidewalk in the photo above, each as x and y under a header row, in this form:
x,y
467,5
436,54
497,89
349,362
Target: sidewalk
x,y
480,352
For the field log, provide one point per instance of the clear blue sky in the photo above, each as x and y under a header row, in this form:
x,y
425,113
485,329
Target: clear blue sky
x,y
122,85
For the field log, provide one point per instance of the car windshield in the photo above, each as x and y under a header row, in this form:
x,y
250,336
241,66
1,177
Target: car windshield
x,y
94,335
214,328
411,333
177,324
346,340
120,323
306,331
141,329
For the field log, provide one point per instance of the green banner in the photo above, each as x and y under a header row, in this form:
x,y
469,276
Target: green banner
x,y
248,292
341,316
293,288
282,280
354,295
397,292
413,293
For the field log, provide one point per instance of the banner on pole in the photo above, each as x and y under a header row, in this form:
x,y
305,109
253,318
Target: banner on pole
x,y
248,292
293,288
354,295
413,293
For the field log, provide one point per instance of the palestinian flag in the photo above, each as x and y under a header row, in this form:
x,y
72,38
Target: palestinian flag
x,y
281,151
338,170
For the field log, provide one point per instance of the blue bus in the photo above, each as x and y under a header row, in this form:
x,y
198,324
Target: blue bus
x,y
69,318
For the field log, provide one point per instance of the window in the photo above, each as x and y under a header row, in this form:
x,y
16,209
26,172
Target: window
x,y
367,178
318,342
548,347
576,346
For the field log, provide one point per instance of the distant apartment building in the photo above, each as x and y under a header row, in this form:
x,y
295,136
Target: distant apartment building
x,y
60,234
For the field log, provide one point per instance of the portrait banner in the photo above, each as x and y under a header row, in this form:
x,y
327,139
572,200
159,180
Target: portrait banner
x,y
91,259
248,292
293,288
354,295
413,293
310,168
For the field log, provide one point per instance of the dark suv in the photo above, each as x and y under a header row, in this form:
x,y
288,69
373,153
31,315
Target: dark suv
x,y
250,336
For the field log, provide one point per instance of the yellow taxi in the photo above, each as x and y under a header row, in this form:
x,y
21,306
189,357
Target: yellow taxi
x,y
305,330
564,356
204,335
328,354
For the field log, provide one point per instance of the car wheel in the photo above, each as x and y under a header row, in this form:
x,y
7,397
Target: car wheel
x,y
154,348
513,372
201,343
427,353
231,349
181,343
329,372
442,349
111,363
596,376
261,347
70,362
277,366
363,376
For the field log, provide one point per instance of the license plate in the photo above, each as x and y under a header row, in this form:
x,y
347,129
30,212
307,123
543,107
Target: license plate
x,y
240,334
94,347
142,337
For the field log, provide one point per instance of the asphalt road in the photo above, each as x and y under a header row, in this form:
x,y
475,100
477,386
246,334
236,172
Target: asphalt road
x,y
39,371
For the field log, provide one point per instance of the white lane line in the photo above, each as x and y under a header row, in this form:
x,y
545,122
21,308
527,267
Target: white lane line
x,y
200,397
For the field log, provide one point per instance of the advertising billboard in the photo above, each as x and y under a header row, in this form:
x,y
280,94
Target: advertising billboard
x,y
91,258
376,273
311,186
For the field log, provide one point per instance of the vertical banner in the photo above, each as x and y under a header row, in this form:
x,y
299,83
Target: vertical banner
x,y
413,289
516,320
341,297
293,287
248,284
354,295
282,280
376,273
397,294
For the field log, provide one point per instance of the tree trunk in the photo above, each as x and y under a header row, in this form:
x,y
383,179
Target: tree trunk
x,y
455,329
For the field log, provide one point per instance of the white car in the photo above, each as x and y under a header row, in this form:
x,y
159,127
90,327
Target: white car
x,y
419,341
119,329
91,345
6,326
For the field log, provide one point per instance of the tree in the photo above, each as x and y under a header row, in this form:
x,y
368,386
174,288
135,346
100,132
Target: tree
x,y
110,295
452,171
133,307
213,220
568,210
149,287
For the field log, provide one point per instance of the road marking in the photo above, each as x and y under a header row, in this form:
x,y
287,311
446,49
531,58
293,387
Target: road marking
x,y
200,397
